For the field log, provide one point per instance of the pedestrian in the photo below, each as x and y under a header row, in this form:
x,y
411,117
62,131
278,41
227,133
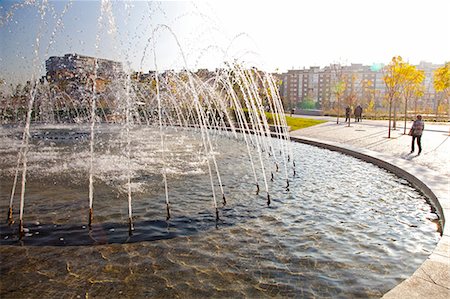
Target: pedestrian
x,y
358,113
292,111
347,113
416,133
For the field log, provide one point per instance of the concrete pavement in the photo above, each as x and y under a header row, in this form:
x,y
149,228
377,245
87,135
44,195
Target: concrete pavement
x,y
429,172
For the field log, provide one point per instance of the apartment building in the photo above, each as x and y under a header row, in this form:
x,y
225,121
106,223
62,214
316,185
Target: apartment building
x,y
79,69
363,84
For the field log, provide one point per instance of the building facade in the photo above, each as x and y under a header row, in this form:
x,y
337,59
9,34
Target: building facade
x,y
316,87
80,69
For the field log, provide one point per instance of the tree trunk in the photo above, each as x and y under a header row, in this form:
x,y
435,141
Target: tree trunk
x,y
390,111
338,109
394,127
406,110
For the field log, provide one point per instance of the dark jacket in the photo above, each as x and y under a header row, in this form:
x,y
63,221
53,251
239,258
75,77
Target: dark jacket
x,y
417,128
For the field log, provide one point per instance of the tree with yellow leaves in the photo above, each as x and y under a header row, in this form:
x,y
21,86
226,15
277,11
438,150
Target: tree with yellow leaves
x,y
339,85
441,84
412,85
393,79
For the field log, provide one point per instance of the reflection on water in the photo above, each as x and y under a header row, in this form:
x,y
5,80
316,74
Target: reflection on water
x,y
343,229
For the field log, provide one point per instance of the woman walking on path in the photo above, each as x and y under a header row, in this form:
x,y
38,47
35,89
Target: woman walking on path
x,y
416,133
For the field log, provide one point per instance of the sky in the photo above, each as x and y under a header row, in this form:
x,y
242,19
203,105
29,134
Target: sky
x,y
272,35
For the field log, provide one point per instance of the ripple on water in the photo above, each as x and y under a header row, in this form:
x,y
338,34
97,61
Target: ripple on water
x,y
342,230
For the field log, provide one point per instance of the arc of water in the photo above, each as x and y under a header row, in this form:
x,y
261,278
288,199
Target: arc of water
x,y
279,111
260,112
10,218
204,125
264,126
217,99
211,149
252,111
91,147
242,124
255,109
202,117
25,145
158,97
221,100
205,138
105,7
128,139
276,122
26,132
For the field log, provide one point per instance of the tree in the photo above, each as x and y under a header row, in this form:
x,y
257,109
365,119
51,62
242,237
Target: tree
x,y
339,85
441,83
413,79
393,79
307,103
370,106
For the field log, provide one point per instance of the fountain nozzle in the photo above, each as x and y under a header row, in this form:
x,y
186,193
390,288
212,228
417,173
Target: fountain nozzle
x,y
91,217
268,199
21,230
224,200
10,216
168,211
130,226
257,189
217,214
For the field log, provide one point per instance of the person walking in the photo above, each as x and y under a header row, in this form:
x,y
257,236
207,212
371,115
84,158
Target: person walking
x,y
347,113
416,133
358,113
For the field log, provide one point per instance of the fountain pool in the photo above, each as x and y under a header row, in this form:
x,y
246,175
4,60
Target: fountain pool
x,y
343,229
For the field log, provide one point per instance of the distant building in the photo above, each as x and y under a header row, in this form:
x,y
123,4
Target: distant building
x,y
81,69
362,83
429,98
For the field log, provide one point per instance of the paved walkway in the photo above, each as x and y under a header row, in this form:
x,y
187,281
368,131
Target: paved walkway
x,y
429,172
372,135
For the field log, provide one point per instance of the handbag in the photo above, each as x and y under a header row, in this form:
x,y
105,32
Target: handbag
x,y
411,131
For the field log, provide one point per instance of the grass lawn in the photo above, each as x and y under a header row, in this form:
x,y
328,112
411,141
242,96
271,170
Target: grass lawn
x,y
297,123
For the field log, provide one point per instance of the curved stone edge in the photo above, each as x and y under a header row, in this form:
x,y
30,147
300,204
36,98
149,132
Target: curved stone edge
x,y
432,278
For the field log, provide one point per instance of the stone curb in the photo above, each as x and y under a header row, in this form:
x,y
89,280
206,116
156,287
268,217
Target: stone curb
x,y
432,278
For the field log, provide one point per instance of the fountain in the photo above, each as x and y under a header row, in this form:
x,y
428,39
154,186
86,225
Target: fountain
x,y
185,183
